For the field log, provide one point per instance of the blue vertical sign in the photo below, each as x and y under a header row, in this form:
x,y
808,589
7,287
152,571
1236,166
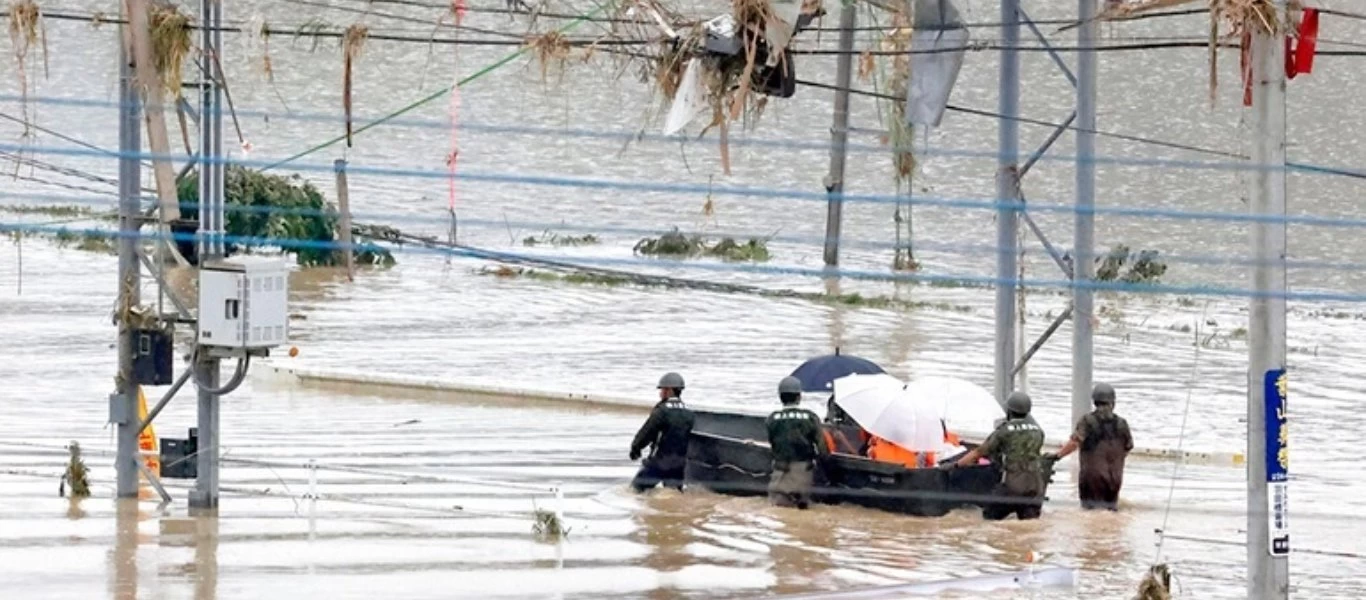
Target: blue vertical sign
x,y
1277,462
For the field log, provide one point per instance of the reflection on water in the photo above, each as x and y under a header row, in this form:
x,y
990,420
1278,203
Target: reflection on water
x,y
123,559
667,526
206,555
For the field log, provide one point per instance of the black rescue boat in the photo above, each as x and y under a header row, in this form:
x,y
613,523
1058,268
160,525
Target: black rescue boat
x,y
729,454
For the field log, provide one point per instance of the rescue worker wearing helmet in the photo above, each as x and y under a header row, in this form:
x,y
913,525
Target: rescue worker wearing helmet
x,y
794,435
666,432
1105,441
1015,449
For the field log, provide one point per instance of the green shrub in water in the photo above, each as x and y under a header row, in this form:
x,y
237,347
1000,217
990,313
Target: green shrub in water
x,y
287,209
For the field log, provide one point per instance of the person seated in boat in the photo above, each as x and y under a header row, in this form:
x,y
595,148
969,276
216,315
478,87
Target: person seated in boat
x,y
794,435
1016,448
835,415
885,451
666,432
836,441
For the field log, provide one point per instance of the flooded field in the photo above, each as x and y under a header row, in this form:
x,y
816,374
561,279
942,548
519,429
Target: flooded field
x,y
466,531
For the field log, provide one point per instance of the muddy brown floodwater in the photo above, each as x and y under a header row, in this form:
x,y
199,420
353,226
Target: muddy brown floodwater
x,y
468,533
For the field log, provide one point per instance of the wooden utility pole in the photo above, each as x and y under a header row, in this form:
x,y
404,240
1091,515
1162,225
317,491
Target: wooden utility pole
x,y
149,82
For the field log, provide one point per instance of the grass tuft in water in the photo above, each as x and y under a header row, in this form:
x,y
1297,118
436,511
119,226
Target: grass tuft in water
x,y
548,526
77,475
1156,585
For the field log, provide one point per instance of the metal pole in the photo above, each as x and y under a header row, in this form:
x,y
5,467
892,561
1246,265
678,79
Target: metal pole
x,y
1084,265
1268,568
1007,193
839,134
344,205
211,228
124,402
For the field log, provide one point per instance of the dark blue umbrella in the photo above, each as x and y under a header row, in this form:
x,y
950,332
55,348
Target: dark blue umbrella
x,y
817,374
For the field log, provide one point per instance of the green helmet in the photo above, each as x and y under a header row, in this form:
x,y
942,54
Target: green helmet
x,y
1103,393
1019,403
790,385
671,380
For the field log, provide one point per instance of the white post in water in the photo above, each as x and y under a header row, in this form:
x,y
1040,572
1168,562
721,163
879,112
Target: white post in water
x,y
1007,192
312,499
1083,253
1268,541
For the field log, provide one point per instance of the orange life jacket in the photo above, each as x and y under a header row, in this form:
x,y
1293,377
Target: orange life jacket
x,y
883,450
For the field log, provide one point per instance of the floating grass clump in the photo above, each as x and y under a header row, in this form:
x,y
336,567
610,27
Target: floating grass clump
x,y
1145,267
676,244
550,238
506,272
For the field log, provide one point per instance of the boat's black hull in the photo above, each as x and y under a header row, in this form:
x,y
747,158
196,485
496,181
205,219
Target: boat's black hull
x,y
729,455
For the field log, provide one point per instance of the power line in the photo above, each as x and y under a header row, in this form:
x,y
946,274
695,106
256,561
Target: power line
x,y
315,31
794,194
787,144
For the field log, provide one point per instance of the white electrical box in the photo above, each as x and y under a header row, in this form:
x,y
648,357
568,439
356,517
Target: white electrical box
x,y
244,303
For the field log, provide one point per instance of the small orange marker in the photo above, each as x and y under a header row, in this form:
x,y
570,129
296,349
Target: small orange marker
x,y
293,351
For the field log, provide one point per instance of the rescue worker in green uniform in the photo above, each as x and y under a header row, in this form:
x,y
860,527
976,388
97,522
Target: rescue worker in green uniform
x,y
1105,442
666,432
794,435
1015,450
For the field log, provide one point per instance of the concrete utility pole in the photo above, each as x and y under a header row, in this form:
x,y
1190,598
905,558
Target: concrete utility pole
x,y
1007,192
211,228
344,206
1083,253
123,407
839,135
1268,545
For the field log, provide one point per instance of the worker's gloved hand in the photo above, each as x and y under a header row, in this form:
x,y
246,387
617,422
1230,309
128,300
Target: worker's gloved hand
x,y
635,455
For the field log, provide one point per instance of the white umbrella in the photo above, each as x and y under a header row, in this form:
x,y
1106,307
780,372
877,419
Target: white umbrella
x,y
965,406
880,405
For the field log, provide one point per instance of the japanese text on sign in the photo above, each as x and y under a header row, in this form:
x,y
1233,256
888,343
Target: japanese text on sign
x,y
1277,462
1277,432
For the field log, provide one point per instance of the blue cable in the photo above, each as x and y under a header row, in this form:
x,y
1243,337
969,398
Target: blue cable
x,y
823,273
746,191
564,226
